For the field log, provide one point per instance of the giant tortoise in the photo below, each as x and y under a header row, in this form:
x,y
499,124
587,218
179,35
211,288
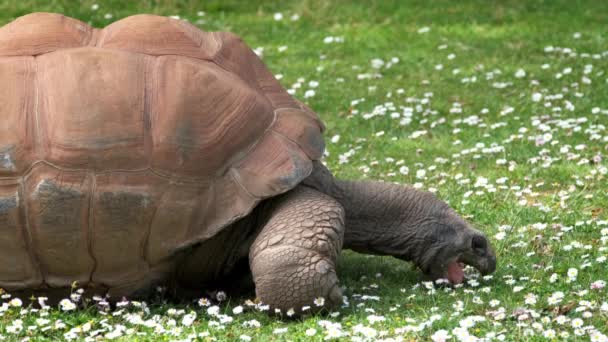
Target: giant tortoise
x,y
152,153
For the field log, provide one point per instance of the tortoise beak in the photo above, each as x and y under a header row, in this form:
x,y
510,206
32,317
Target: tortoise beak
x,y
485,265
489,265
483,258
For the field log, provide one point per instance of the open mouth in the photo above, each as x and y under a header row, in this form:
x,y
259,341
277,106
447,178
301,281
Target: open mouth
x,y
451,267
455,272
452,270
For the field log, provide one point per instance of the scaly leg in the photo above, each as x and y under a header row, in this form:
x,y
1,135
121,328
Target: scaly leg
x,y
293,259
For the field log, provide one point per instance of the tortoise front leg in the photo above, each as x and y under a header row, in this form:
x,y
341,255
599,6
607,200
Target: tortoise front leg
x,y
293,259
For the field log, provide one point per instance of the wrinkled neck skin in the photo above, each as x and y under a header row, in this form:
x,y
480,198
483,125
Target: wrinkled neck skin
x,y
384,218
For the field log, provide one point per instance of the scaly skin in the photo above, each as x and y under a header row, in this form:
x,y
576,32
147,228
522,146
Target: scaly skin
x,y
412,225
293,259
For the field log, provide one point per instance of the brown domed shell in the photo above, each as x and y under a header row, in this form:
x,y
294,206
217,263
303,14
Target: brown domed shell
x,y
122,145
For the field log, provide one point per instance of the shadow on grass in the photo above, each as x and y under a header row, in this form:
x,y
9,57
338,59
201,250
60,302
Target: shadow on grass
x,y
358,269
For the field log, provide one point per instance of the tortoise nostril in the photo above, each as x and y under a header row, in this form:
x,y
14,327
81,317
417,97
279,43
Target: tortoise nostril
x,y
479,244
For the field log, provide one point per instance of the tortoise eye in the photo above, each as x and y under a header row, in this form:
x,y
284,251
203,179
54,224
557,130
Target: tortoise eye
x,y
479,244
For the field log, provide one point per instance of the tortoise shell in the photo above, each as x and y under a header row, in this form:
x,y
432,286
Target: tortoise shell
x,y
121,146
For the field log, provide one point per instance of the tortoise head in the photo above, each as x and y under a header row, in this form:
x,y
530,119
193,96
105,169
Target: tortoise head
x,y
446,243
392,219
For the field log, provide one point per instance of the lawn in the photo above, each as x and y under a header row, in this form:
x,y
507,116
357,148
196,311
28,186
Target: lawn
x,y
500,107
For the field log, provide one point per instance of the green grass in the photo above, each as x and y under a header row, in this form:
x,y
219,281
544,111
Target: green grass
x,y
491,41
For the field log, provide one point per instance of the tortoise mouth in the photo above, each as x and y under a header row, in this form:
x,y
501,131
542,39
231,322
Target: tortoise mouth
x,y
454,269
455,272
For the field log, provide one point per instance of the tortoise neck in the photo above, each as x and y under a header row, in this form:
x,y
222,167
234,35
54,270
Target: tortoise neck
x,y
381,218
372,216
373,210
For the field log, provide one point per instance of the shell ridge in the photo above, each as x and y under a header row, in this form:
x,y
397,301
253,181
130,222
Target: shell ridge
x,y
27,233
26,107
184,28
236,177
196,214
145,246
149,85
91,223
101,37
32,239
91,37
37,130
288,138
259,140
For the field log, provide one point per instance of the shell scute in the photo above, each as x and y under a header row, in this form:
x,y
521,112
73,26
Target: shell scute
x,y
58,208
296,125
201,126
156,35
123,207
16,109
275,155
39,33
94,119
235,56
18,267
